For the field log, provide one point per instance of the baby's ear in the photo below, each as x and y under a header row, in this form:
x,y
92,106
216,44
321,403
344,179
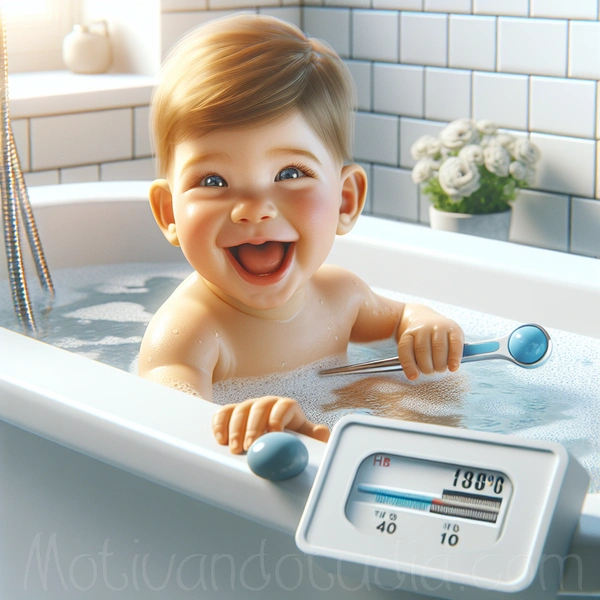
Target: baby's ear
x,y
354,192
161,201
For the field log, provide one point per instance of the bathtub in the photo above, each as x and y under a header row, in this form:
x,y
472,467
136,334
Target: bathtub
x,y
112,486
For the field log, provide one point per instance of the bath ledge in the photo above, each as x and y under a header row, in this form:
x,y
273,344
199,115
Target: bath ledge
x,y
61,92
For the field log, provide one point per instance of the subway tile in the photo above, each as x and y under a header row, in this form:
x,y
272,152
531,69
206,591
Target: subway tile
x,y
449,6
376,138
128,170
182,5
239,4
80,174
517,8
541,219
447,94
562,9
424,204
399,4
175,25
368,209
290,14
410,131
361,74
585,225
424,39
313,3
81,139
331,25
501,98
563,106
468,33
532,46
42,178
375,35
349,3
142,146
584,50
567,164
20,128
394,194
398,89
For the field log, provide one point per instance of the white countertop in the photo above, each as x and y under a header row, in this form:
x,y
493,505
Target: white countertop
x,y
60,92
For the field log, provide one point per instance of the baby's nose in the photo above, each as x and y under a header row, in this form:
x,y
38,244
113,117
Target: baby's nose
x,y
253,211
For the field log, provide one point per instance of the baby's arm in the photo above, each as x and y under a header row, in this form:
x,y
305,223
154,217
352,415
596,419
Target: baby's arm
x,y
427,341
239,425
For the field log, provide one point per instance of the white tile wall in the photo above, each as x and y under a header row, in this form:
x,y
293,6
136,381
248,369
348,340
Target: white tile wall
x,y
447,93
424,39
362,75
532,46
563,106
80,174
42,178
291,14
331,25
394,194
501,98
570,9
567,165
79,139
448,6
370,25
541,219
398,89
584,50
398,4
141,132
376,138
129,169
501,7
585,224
472,42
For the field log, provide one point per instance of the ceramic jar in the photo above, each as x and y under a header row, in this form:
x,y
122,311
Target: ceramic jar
x,y
87,48
495,226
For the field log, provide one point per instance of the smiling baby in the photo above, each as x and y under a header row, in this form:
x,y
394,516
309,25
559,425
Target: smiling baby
x,y
252,124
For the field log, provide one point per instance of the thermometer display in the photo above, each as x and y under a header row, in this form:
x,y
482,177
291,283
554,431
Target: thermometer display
x,y
460,506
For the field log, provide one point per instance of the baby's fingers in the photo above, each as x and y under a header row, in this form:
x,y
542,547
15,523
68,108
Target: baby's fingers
x,y
406,356
455,352
220,423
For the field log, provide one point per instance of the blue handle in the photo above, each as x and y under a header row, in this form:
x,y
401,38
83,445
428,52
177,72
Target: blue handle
x,y
472,349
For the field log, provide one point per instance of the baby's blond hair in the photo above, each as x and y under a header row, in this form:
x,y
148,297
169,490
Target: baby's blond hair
x,y
249,70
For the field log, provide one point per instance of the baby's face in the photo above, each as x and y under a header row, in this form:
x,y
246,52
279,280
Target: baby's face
x,y
256,210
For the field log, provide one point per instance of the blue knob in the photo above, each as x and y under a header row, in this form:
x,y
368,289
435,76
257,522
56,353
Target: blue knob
x,y
277,456
527,344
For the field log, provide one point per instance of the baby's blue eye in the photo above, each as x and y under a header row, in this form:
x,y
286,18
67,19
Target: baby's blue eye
x,y
213,181
289,173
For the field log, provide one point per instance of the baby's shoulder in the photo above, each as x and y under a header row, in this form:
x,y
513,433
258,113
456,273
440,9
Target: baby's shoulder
x,y
337,281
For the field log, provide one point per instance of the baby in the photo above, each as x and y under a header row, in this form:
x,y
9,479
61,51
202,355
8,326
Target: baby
x,y
253,124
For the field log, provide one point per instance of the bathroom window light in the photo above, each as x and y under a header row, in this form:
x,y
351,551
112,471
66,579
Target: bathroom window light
x,y
35,30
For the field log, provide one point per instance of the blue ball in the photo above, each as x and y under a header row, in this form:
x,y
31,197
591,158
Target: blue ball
x,y
277,456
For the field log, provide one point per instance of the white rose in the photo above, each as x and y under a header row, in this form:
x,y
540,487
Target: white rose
x,y
459,133
424,169
526,152
496,159
459,178
486,127
518,170
472,153
426,145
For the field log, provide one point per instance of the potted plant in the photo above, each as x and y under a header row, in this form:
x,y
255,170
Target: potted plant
x,y
472,173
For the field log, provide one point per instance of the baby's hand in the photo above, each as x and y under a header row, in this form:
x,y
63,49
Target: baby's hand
x,y
429,342
239,425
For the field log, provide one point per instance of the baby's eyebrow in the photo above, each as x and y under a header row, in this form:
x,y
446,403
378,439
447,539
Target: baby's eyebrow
x,y
290,150
200,158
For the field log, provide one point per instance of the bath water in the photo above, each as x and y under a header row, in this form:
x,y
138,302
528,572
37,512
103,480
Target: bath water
x,y
101,312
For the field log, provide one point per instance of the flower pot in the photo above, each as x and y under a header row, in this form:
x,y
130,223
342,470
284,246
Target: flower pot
x,y
494,226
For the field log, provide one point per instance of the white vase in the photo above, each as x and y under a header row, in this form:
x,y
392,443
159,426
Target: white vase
x,y
87,49
495,226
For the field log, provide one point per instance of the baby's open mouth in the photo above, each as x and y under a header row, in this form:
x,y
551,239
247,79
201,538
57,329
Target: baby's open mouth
x,y
261,259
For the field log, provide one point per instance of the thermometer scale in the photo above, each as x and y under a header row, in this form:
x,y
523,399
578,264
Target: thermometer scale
x,y
443,511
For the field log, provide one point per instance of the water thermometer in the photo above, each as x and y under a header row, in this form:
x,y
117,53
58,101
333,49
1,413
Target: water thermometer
x,y
443,511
